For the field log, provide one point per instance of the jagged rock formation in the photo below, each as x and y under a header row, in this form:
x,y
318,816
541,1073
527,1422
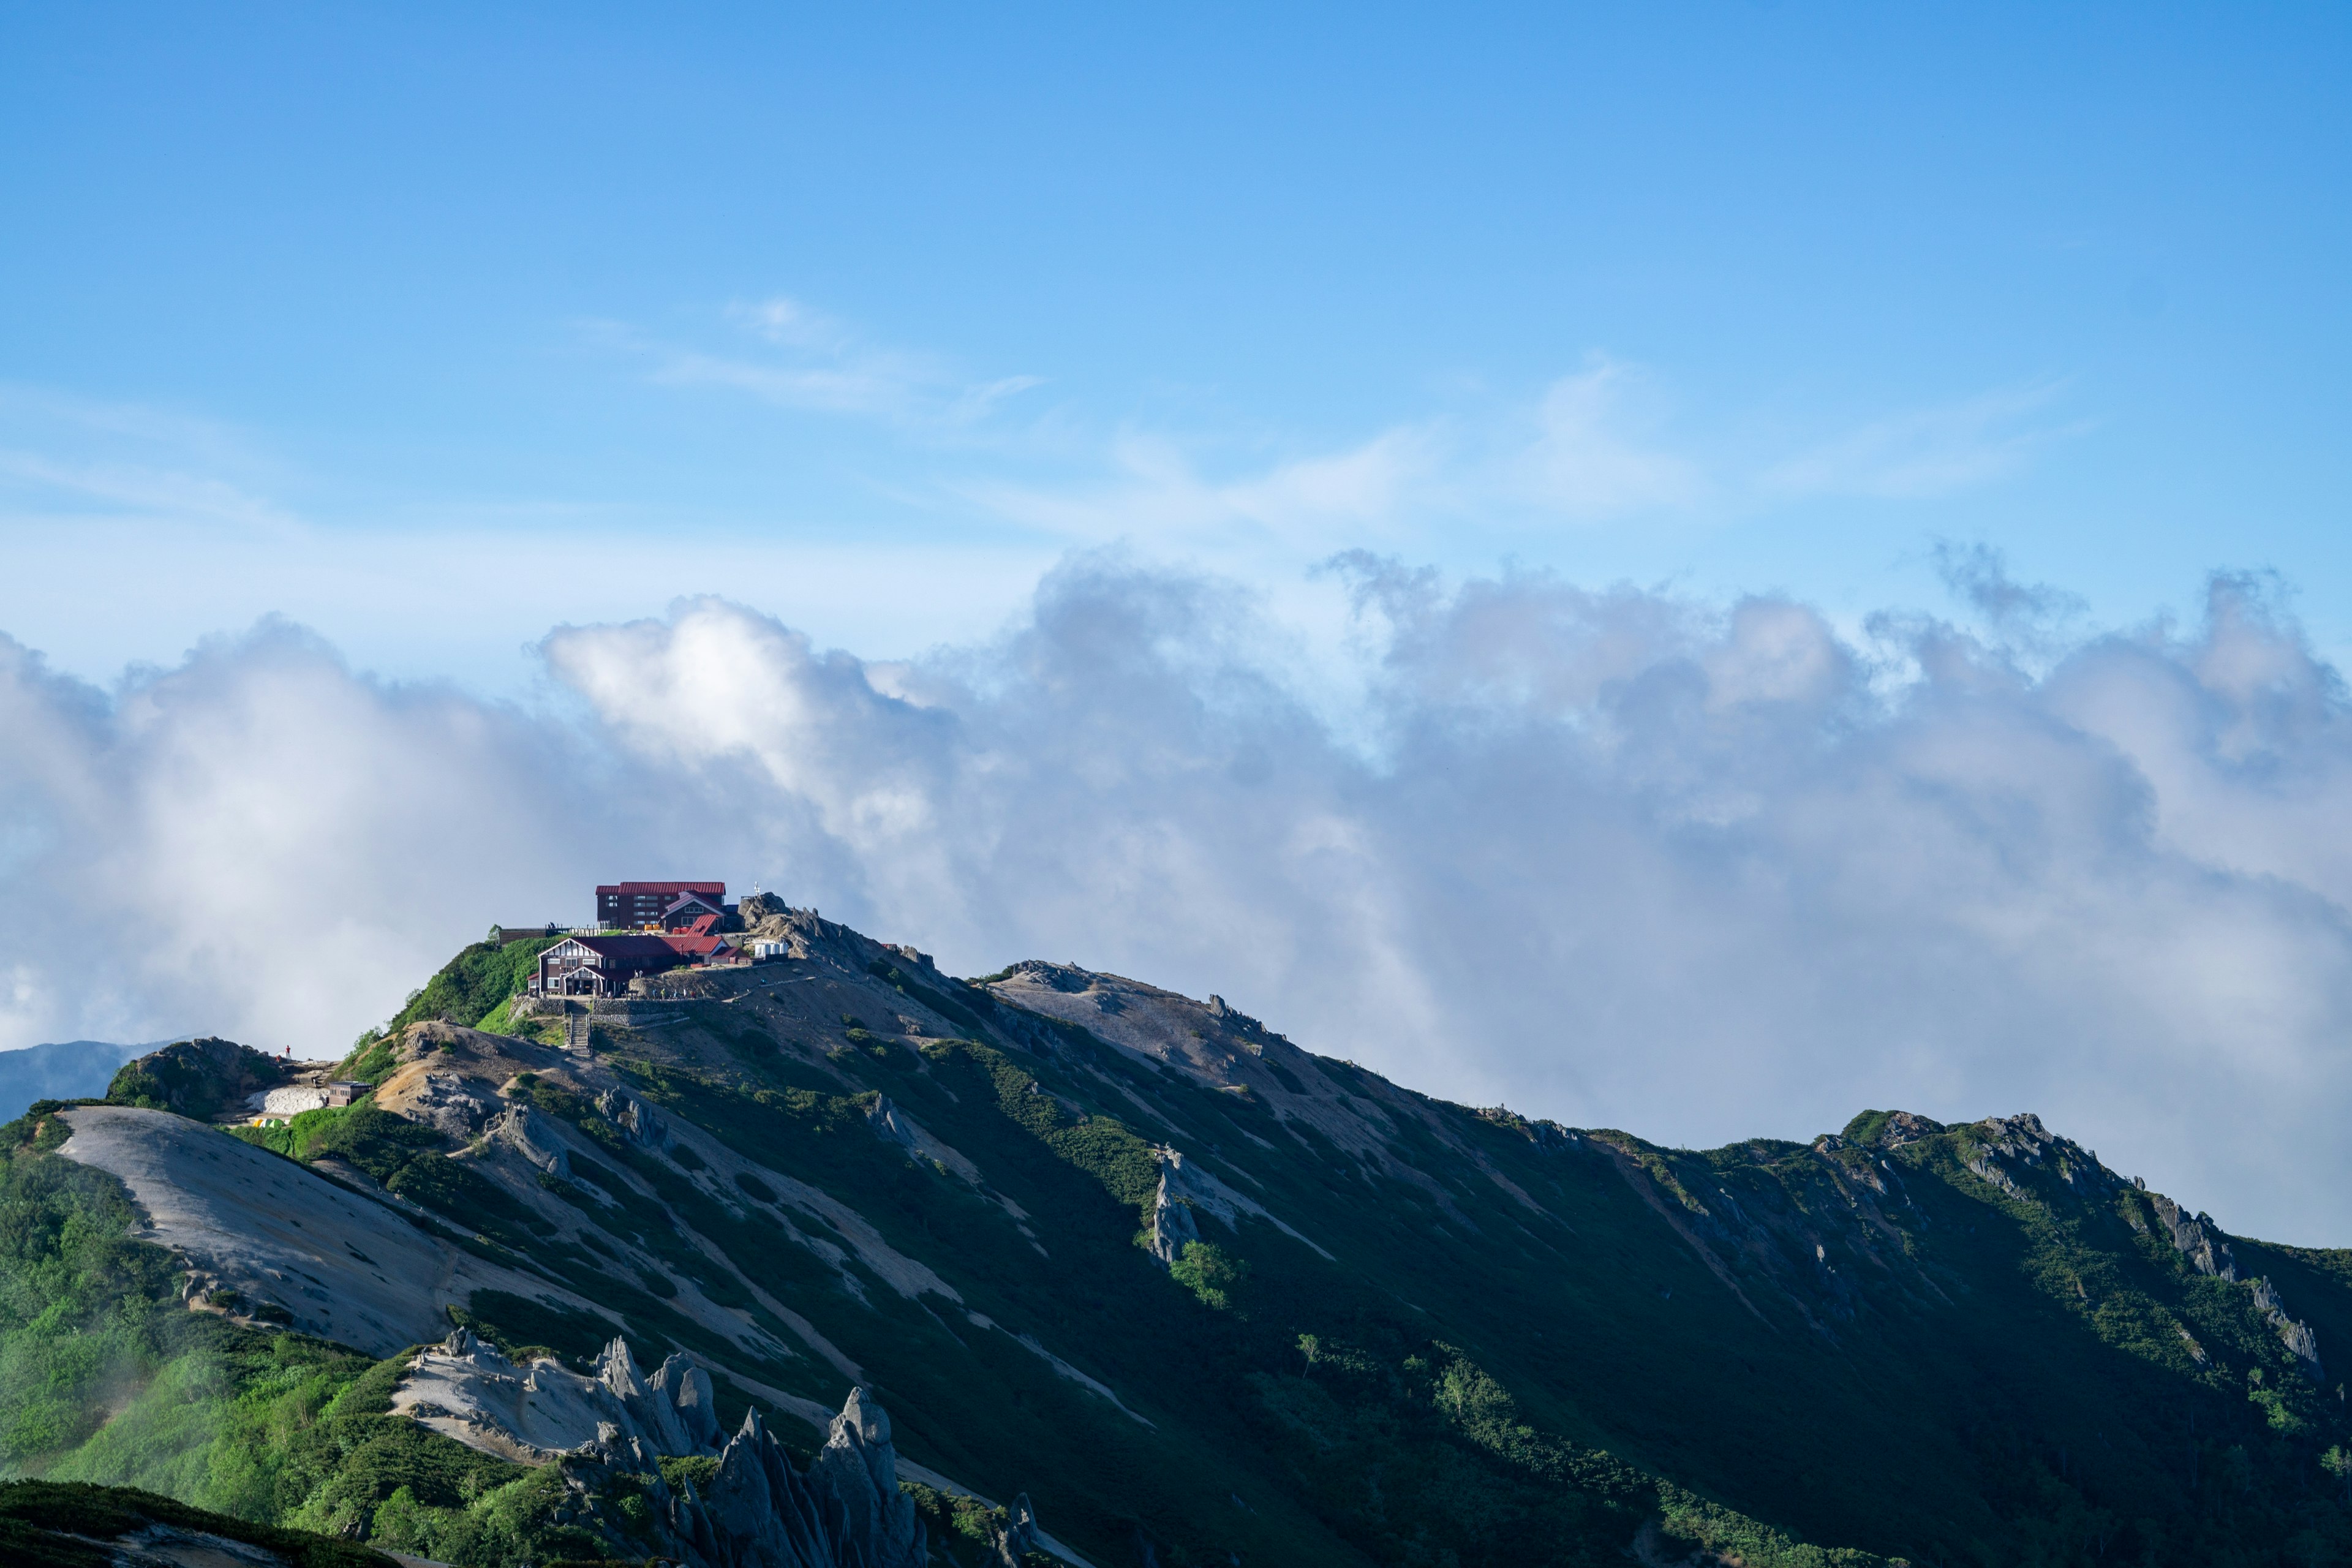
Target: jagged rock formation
x,y
757,907
529,1134
1019,1537
893,1125
2196,1238
1172,1227
633,1116
672,1409
844,1511
2296,1336
1186,1187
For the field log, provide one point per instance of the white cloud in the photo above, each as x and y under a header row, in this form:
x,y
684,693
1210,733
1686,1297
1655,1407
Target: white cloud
x,y
1592,449
1584,462
67,457
1701,870
161,493
816,363
1916,454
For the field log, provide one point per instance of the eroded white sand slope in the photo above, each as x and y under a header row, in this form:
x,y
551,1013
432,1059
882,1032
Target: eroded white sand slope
x,y
347,1267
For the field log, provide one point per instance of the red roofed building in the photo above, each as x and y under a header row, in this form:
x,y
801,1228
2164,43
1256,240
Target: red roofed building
x,y
625,904
694,913
700,947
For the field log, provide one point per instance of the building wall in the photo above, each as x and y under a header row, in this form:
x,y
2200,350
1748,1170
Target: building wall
x,y
628,904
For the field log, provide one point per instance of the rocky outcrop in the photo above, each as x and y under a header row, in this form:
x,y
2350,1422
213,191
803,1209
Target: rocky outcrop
x,y
453,1104
633,1117
2196,1238
1172,1227
2207,1250
1903,1126
465,1389
893,1125
1019,1536
845,1511
2022,1138
757,907
672,1410
2300,1342
679,1385
857,1474
1185,1186
1986,1168
534,1137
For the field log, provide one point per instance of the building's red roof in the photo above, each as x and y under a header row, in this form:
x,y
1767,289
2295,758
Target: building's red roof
x,y
696,947
709,890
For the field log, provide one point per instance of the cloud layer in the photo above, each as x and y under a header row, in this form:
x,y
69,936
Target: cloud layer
x,y
1698,870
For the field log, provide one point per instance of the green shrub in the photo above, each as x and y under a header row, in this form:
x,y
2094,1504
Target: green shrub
x,y
1210,1273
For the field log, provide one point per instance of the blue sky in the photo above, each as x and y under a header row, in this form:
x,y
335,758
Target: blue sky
x,y
432,327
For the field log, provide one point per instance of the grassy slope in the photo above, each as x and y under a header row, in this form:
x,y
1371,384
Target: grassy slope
x,y
1972,1404
1250,1408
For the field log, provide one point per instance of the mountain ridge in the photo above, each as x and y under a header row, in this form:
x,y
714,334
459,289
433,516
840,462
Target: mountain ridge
x,y
1199,1291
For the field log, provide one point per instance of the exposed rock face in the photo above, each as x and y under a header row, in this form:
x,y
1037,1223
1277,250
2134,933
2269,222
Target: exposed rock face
x,y
468,1390
2196,1237
2300,1342
2023,1139
893,1125
757,907
453,1105
1903,1126
2201,1243
857,1473
1020,1536
532,1136
1989,1168
1186,1186
844,1511
633,1116
653,1406
1171,1224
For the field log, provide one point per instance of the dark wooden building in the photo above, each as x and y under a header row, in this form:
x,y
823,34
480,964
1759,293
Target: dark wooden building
x,y
603,965
622,905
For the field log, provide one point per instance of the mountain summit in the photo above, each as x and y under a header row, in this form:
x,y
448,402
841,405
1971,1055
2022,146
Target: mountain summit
x,y
1055,1265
